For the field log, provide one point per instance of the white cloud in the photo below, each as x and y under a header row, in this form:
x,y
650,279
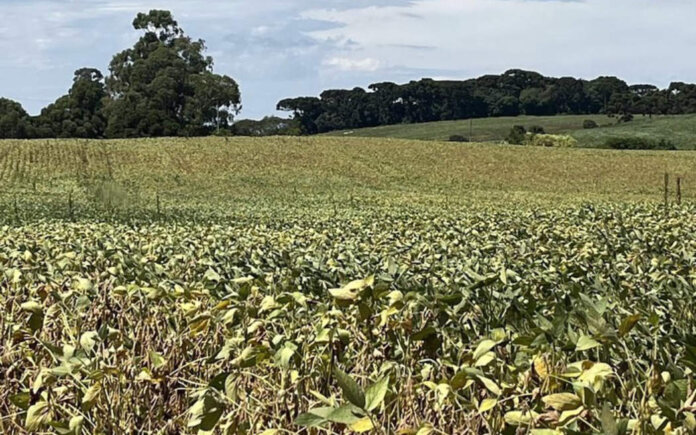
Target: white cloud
x,y
346,64
640,40
281,48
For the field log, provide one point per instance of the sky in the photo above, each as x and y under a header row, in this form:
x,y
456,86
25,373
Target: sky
x,y
286,48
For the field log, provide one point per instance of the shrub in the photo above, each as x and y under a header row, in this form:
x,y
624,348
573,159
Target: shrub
x,y
537,129
517,135
626,117
588,124
638,143
458,138
552,140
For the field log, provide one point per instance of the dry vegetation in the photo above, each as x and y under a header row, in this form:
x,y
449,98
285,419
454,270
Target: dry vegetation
x,y
462,288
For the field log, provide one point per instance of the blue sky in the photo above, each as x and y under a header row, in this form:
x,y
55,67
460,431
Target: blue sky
x,y
284,48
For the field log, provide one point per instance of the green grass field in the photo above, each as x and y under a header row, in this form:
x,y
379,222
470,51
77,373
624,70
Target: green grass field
x,y
681,129
332,285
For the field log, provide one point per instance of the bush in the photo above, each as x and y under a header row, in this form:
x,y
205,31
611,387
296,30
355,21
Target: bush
x,y
588,124
638,143
537,129
458,138
551,140
626,117
517,135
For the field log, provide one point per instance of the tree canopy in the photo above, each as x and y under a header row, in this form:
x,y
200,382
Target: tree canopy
x,y
512,93
15,123
162,86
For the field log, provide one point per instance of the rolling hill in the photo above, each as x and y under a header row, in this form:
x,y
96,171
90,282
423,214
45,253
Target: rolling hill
x,y
679,129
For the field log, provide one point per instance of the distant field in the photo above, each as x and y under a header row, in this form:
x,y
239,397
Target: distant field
x,y
219,176
681,129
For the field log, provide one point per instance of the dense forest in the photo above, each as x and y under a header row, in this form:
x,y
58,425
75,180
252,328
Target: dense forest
x,y
163,86
516,92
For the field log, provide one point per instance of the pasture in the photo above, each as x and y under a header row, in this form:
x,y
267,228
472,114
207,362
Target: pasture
x,y
678,129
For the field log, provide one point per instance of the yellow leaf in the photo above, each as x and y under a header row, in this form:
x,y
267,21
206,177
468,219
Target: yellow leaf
x,y
596,375
362,425
483,348
567,416
586,343
562,401
519,418
270,432
38,415
485,359
487,405
490,385
541,367
352,290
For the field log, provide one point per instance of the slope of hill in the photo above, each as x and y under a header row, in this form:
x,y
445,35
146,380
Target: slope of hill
x,y
218,176
679,129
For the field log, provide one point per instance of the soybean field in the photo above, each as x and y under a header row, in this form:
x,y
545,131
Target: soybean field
x,y
345,285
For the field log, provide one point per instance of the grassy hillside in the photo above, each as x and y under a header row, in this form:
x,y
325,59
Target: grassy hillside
x,y
681,129
224,176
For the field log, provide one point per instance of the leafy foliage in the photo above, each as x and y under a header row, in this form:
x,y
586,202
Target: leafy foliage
x,y
420,305
638,143
515,92
163,86
563,319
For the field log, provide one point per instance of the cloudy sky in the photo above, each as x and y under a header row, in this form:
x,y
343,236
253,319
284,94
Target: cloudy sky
x,y
285,48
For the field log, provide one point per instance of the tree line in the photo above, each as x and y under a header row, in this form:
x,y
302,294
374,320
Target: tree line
x,y
163,86
515,92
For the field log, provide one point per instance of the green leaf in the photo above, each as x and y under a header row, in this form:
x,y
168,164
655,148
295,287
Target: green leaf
x,y
374,396
628,324
205,413
351,390
36,321
345,414
483,348
424,334
284,355
586,343
21,400
157,360
314,417
84,285
608,422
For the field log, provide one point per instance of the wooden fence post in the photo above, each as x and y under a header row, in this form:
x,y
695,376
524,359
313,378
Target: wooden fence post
x,y
679,193
666,190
